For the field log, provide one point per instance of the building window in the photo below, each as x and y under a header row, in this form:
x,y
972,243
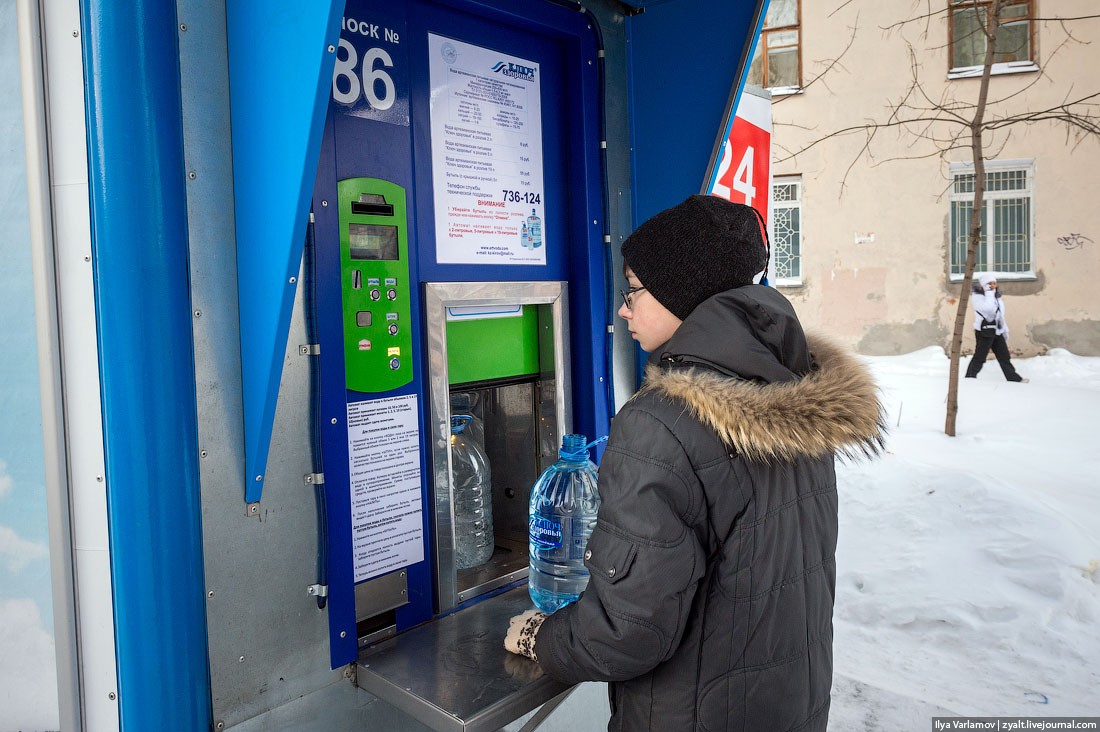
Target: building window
x,y
777,62
787,230
1005,245
1015,39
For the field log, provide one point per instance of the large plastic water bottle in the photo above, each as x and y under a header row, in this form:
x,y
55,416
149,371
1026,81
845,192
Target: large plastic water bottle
x,y
564,503
472,494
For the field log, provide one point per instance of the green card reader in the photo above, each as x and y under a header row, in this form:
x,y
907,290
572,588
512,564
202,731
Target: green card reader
x,y
374,274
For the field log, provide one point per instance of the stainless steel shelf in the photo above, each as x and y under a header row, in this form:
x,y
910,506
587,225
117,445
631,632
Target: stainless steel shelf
x,y
454,675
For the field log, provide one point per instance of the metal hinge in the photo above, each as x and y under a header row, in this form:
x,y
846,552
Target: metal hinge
x,y
317,590
314,478
309,349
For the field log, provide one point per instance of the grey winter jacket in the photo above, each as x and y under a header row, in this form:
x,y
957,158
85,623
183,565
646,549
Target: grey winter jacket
x,y
712,562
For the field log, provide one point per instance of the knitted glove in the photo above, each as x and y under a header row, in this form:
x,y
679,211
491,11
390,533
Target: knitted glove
x,y
522,630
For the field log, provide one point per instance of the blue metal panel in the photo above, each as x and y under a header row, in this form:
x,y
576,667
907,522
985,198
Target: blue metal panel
x,y
280,67
565,42
139,242
685,58
360,144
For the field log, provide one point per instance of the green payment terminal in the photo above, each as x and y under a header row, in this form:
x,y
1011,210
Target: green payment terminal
x,y
374,274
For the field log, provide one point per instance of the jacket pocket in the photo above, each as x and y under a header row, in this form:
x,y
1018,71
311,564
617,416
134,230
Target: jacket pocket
x,y
608,556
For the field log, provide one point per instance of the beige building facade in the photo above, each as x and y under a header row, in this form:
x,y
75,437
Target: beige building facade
x,y
871,224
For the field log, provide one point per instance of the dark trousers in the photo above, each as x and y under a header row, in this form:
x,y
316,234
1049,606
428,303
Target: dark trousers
x,y
983,341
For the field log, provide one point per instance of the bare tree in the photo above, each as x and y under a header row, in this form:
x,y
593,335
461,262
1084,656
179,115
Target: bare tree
x,y
949,123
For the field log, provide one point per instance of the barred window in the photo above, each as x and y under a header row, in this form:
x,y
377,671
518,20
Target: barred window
x,y
787,229
777,61
1015,41
1005,246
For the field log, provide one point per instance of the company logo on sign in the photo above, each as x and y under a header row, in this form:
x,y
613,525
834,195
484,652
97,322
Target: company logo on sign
x,y
515,71
545,534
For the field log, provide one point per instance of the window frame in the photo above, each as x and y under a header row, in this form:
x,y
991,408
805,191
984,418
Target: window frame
x,y
762,49
1004,67
783,180
1027,165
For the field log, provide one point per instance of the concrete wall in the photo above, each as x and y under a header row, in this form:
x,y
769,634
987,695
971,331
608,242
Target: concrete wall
x,y
893,295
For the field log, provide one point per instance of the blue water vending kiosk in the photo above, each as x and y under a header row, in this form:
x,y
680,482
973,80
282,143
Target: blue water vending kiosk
x,y
479,163
457,241
352,240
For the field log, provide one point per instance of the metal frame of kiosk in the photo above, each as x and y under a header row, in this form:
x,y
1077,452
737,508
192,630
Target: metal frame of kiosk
x,y
455,586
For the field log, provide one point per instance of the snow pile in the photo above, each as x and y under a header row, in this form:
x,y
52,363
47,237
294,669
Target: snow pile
x,y
968,570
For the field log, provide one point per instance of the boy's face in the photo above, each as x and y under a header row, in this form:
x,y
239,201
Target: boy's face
x,y
650,322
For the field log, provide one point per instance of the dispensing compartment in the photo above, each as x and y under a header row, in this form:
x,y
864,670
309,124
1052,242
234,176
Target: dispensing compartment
x,y
498,366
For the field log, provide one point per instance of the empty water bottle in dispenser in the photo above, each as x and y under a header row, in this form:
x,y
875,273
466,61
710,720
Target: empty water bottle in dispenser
x,y
563,508
472,495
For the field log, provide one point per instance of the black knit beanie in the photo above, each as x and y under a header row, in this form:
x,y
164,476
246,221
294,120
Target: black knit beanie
x,y
692,251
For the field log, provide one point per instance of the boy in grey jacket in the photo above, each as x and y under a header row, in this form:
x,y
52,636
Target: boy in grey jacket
x,y
710,601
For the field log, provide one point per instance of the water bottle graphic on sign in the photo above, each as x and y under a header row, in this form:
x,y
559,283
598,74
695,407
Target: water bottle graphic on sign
x,y
563,508
523,237
534,230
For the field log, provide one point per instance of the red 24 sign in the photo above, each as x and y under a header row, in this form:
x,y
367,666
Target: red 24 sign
x,y
744,171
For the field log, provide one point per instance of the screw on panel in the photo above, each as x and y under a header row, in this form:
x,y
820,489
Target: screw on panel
x,y
210,593
76,34
334,420
324,204
331,48
198,313
192,175
183,27
112,696
240,660
87,258
253,509
202,453
219,726
99,479
343,634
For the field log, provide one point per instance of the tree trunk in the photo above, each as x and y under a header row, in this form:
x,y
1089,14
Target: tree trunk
x,y
977,213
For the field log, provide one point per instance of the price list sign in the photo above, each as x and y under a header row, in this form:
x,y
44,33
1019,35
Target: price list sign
x,y
486,121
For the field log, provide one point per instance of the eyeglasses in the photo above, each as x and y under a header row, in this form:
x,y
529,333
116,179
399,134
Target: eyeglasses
x,y
628,295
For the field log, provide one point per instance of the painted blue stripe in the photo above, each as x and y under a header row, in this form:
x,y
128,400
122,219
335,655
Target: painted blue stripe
x,y
139,245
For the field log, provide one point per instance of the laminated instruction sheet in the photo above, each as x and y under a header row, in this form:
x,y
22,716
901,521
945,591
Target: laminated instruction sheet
x,y
387,527
486,122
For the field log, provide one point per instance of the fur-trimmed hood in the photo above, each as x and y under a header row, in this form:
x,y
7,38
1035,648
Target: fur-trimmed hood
x,y
761,390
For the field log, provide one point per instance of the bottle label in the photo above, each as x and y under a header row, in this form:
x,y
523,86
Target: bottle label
x,y
545,534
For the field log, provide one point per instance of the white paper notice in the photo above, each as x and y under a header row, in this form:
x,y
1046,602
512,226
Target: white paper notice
x,y
387,528
486,118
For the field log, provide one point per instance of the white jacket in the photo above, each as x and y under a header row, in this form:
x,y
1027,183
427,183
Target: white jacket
x,y
987,306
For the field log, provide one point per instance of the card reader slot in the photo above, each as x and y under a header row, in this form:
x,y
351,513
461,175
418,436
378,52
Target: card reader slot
x,y
360,208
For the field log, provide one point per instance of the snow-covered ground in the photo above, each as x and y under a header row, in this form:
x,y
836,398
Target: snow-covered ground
x,y
968,571
968,577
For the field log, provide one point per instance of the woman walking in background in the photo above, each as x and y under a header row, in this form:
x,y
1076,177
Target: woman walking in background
x,y
990,330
